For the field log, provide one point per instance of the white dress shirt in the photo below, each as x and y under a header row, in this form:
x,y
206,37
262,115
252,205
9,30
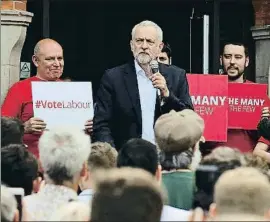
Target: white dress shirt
x,y
148,102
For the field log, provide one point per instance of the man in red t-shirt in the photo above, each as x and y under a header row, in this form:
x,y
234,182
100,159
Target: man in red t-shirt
x,y
49,60
234,60
263,145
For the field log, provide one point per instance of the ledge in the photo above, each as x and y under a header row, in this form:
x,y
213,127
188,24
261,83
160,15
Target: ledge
x,y
16,17
261,32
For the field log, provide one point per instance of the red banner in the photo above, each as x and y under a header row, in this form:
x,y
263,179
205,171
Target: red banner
x,y
245,104
209,97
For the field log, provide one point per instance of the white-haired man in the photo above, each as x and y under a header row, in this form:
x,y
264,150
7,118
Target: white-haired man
x,y
63,155
131,97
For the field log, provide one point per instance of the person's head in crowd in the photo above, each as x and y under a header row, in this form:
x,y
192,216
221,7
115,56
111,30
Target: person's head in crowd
x,y
12,131
49,60
146,42
256,162
166,54
126,194
66,79
139,153
241,194
177,135
264,128
19,168
211,167
72,211
102,156
234,59
224,154
9,210
63,155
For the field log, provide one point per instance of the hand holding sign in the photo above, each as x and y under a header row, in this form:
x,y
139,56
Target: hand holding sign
x,y
265,112
34,125
89,126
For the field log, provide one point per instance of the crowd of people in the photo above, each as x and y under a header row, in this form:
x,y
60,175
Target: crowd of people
x,y
143,157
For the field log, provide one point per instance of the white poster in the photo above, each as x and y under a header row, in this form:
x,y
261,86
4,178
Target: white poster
x,y
63,103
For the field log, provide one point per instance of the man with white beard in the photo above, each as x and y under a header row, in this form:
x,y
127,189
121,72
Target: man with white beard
x,y
132,96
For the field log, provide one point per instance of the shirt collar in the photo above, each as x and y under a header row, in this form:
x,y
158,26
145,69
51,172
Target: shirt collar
x,y
138,69
87,192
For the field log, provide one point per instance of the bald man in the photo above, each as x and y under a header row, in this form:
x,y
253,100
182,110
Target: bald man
x,y
49,60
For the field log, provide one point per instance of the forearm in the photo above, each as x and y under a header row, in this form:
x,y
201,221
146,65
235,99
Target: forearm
x,y
261,151
103,135
174,103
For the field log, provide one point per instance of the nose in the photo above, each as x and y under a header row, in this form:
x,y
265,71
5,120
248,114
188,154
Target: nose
x,y
56,62
144,45
232,60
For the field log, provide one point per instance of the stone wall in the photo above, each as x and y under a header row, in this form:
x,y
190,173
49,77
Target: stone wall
x,y
261,35
14,22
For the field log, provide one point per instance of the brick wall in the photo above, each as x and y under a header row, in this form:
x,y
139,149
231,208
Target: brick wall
x,y
262,12
13,5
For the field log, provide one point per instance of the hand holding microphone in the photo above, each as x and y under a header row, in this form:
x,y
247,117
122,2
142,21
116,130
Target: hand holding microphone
x,y
158,80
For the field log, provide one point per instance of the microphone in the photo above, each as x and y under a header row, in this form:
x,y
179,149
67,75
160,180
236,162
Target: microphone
x,y
155,68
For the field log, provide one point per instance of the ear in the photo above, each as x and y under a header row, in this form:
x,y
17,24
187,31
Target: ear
x,y
36,184
131,46
35,60
220,60
159,173
213,210
16,216
247,61
83,172
161,46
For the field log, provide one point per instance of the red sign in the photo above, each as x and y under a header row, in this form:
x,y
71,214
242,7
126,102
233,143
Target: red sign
x,y
209,97
245,104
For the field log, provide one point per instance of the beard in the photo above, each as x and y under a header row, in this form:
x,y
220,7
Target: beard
x,y
235,77
143,58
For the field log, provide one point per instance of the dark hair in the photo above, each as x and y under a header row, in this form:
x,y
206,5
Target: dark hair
x,y
127,198
176,160
138,153
12,131
19,168
167,49
264,128
205,180
235,43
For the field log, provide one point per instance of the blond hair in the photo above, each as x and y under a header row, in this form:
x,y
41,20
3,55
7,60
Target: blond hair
x,y
224,154
102,155
244,190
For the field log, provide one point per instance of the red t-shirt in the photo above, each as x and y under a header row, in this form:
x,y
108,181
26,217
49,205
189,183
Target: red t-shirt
x,y
263,140
243,140
236,138
18,103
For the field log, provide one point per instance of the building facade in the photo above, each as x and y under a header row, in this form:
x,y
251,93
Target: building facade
x,y
95,35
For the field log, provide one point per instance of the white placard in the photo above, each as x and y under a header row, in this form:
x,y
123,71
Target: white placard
x,y
63,103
